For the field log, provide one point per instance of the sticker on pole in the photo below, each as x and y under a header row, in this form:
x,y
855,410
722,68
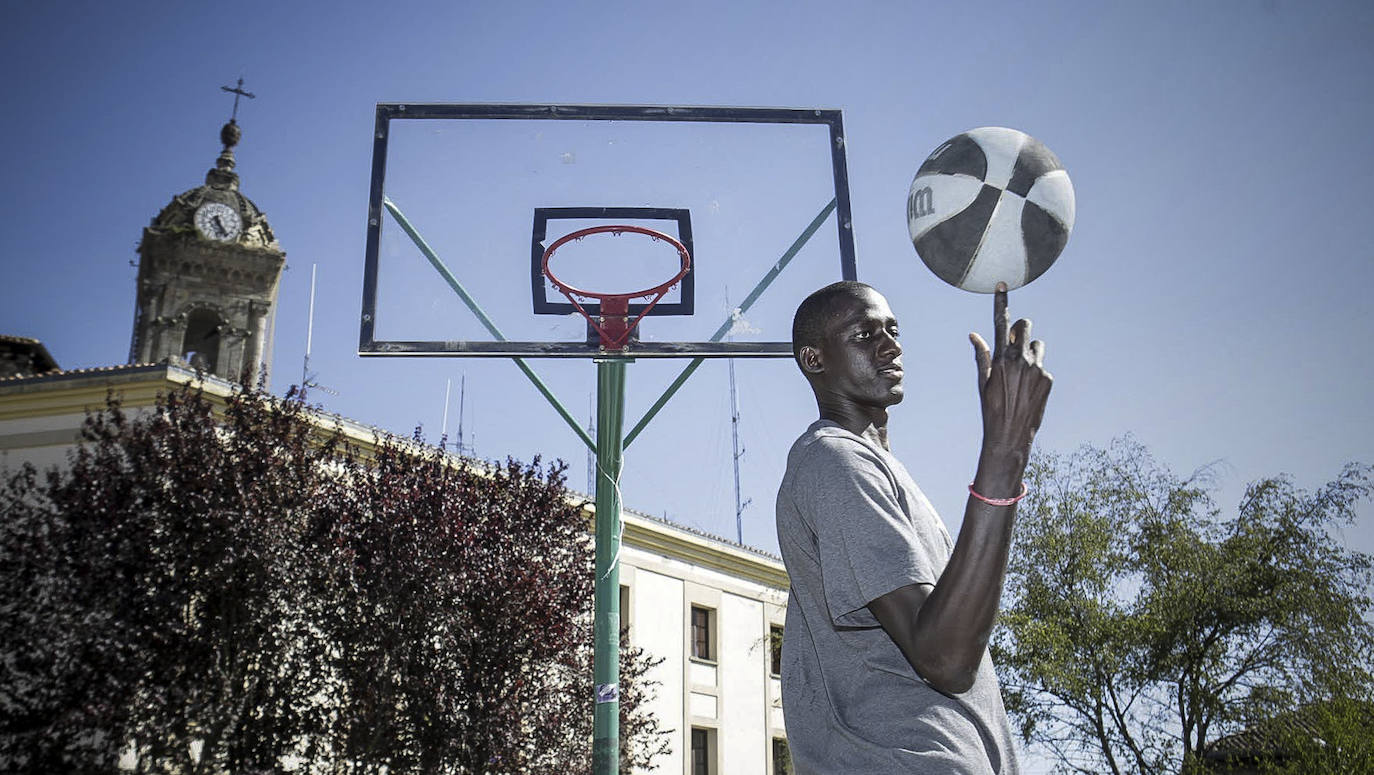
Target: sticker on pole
x,y
607,693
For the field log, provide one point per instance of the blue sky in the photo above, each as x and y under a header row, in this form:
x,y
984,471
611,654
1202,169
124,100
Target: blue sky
x,y
1212,299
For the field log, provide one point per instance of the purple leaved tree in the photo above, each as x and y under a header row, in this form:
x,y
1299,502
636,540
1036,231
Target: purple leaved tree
x,y
236,588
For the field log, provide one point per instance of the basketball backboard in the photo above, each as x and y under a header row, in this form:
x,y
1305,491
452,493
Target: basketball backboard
x,y
465,198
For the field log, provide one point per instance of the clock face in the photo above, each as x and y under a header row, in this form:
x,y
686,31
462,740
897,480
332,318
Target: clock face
x,y
218,221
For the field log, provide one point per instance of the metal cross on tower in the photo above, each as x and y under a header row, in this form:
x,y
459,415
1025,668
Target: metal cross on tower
x,y
237,91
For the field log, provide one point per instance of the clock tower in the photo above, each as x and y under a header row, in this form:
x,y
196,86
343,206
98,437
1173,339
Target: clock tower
x,y
208,271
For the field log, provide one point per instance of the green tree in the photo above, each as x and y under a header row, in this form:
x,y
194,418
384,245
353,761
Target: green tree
x,y
218,589
1139,624
1335,737
467,620
173,555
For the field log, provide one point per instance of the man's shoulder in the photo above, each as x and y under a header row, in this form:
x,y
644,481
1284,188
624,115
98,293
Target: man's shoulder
x,y
828,448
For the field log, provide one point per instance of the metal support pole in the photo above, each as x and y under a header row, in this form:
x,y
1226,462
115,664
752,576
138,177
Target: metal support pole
x,y
610,421
486,322
729,323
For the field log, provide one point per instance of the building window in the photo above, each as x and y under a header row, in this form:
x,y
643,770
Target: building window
x,y
701,633
625,614
782,757
774,650
701,751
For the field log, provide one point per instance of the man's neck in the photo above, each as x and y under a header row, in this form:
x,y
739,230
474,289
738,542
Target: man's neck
x,y
866,421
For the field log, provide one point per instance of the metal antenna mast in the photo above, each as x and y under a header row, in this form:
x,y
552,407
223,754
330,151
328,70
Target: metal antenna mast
x,y
307,379
443,427
740,505
309,331
463,449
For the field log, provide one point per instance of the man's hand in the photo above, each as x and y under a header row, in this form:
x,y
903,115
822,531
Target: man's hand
x,y
1013,387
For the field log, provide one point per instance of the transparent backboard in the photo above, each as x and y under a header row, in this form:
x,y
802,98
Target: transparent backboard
x,y
465,198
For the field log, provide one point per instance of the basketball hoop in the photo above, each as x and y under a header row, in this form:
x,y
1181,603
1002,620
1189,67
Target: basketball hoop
x,y
614,324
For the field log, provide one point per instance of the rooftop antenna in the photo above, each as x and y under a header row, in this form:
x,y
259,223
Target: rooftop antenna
x,y
308,379
463,448
460,446
309,329
443,429
740,505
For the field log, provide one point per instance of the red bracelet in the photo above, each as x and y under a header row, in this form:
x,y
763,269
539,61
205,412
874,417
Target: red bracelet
x,y
998,501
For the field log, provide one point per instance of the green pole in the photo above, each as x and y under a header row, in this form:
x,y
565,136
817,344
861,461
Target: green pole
x,y
610,422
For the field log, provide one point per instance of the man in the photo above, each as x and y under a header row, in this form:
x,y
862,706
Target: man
x,y
885,664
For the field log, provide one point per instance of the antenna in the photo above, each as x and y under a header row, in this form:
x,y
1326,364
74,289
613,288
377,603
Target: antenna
x,y
463,449
443,428
308,379
740,506
460,446
309,330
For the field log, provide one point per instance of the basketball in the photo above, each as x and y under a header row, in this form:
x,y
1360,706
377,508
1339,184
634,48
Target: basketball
x,y
991,204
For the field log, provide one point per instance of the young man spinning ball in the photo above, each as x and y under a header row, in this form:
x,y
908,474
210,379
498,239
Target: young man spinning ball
x,y
885,662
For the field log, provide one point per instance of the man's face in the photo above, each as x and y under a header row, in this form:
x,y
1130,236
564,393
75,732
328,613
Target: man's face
x,y
860,354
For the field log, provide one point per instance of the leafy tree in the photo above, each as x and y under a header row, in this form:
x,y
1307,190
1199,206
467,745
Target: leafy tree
x,y
1326,738
49,691
217,590
1139,625
173,561
468,619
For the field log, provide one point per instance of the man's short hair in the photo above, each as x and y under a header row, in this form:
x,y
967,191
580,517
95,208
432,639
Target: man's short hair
x,y
808,325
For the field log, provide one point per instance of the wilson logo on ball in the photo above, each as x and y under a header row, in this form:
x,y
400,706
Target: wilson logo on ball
x,y
920,204
1006,209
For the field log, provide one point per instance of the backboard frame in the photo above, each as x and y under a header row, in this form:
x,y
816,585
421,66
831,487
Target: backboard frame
x,y
369,345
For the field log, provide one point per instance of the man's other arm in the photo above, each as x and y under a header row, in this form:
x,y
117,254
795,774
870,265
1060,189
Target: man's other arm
x,y
943,630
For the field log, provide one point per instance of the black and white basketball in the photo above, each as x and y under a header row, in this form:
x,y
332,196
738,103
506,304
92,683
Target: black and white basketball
x,y
991,204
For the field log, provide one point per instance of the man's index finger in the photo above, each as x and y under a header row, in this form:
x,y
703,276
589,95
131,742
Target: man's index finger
x,y
999,319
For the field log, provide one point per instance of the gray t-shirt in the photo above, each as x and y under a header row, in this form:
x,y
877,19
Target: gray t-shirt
x,y
853,526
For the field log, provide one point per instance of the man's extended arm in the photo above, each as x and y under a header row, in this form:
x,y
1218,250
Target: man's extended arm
x,y
944,630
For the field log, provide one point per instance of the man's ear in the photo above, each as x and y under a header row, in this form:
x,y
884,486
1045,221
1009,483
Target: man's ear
x,y
810,359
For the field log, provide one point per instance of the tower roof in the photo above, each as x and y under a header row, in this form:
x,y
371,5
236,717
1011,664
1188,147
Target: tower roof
x,y
222,186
